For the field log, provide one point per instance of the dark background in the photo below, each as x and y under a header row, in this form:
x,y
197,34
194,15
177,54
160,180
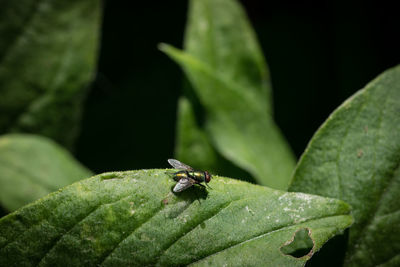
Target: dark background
x,y
318,54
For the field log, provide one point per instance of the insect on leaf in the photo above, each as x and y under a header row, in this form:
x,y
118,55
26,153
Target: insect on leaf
x,y
133,219
226,68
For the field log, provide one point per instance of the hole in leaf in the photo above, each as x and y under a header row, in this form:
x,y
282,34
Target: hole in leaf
x,y
300,245
332,253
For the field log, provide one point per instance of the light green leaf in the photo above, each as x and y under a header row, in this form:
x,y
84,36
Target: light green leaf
x,y
48,52
239,127
355,156
226,68
133,219
31,167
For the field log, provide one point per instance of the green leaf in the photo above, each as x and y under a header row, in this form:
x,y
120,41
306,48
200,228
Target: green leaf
x,y
193,145
225,65
219,33
31,167
133,219
355,156
48,54
239,127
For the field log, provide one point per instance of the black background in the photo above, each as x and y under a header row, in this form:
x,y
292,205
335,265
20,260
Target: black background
x,y
319,53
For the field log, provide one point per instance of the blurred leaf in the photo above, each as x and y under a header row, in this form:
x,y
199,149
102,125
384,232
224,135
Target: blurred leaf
x,y
194,146
238,124
31,167
48,53
355,156
219,34
225,65
133,219
193,143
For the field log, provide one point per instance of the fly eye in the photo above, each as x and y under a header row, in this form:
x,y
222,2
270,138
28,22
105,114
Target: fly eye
x,y
208,177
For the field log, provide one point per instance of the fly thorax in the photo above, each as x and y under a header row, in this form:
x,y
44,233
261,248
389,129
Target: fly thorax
x,y
197,175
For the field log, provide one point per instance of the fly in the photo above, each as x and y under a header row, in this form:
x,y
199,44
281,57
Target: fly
x,y
187,176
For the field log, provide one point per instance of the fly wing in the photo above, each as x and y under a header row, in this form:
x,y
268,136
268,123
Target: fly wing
x,y
179,165
183,184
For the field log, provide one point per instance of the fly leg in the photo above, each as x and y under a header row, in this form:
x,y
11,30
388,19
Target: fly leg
x,y
202,185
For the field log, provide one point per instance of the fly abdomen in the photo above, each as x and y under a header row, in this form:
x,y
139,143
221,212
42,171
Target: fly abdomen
x,y
181,174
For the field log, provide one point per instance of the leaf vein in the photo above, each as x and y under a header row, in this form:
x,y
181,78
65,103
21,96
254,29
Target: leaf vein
x,y
205,219
389,259
55,242
108,254
262,235
23,29
339,177
383,192
388,214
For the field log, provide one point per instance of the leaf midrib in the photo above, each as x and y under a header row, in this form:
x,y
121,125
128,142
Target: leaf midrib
x,y
249,96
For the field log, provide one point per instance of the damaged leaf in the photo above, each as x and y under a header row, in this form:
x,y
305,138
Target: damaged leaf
x,y
133,219
355,156
300,245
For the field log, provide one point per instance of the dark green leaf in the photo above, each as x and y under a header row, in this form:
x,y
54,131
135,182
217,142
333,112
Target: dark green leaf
x,y
33,166
225,65
47,58
355,156
133,219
